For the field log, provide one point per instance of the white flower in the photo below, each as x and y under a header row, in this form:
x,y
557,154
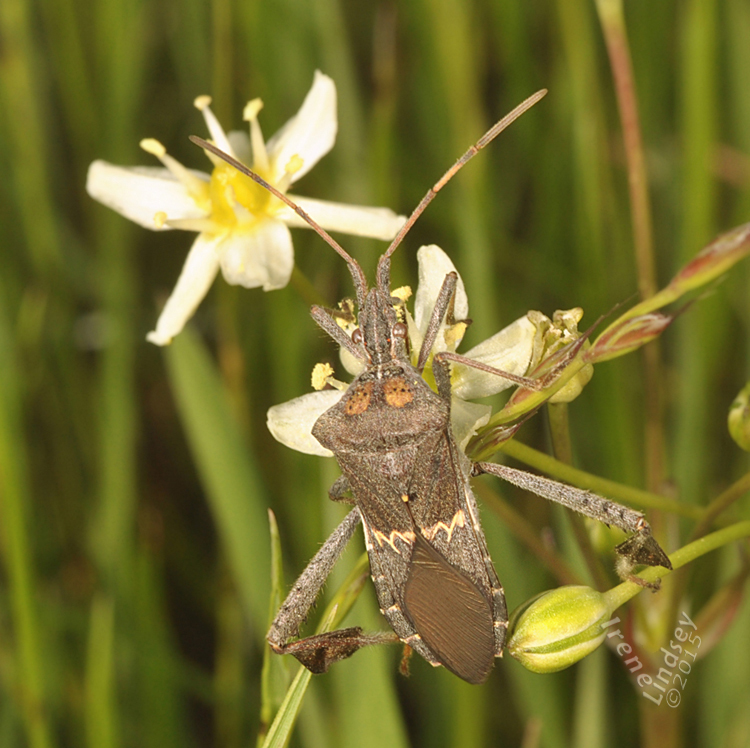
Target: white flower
x,y
510,350
242,228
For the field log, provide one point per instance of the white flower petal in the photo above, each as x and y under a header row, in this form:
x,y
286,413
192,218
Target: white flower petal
x,y
198,273
291,422
434,265
139,192
261,255
466,418
509,350
310,134
378,223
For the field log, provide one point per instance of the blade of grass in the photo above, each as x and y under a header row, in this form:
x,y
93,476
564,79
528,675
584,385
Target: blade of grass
x,y
100,712
274,667
227,470
17,549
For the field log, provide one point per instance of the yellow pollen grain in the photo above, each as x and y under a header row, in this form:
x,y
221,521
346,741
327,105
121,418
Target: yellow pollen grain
x,y
160,218
201,102
455,333
403,293
154,147
320,374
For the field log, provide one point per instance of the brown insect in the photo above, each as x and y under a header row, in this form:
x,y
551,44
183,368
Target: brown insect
x,y
410,484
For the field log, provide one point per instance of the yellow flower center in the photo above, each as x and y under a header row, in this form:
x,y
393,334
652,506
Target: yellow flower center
x,y
228,188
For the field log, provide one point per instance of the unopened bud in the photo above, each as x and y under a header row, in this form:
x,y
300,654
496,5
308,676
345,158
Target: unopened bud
x,y
574,387
626,335
558,628
739,419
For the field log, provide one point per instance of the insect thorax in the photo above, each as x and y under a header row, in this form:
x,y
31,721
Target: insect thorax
x,y
383,409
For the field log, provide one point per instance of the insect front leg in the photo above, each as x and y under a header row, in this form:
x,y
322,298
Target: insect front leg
x,y
318,652
640,549
339,490
443,305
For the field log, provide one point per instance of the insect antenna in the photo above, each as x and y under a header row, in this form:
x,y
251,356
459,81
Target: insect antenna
x,y
384,264
358,276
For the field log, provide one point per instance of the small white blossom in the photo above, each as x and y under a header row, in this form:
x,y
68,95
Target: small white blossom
x,y
509,350
242,228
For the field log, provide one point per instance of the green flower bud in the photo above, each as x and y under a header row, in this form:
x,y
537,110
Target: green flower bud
x,y
574,387
739,419
558,628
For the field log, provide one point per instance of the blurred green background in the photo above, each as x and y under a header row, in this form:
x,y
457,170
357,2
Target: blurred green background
x,y
134,482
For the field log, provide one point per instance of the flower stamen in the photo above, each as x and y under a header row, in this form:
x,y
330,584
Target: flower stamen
x,y
260,154
195,186
322,376
218,135
294,164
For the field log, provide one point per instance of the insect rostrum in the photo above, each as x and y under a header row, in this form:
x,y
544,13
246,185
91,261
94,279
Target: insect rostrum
x,y
409,483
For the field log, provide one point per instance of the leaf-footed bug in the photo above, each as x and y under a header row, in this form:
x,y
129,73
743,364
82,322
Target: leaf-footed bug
x,y
410,483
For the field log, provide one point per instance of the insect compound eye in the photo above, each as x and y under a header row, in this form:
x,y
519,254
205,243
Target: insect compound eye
x,y
357,337
399,330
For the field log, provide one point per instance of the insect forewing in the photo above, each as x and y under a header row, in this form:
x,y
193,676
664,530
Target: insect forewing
x,y
451,614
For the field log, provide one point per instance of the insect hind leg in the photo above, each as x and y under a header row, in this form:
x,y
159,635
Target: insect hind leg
x,y
640,549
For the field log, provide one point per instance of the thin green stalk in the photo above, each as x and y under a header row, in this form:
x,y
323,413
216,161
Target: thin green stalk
x,y
561,444
27,149
16,547
609,488
619,595
738,489
222,28
18,564
101,702
615,35
700,342
451,24
229,669
720,504
559,427
616,38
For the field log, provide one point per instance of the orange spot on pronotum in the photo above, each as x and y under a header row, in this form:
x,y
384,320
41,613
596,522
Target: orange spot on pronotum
x,y
359,400
397,393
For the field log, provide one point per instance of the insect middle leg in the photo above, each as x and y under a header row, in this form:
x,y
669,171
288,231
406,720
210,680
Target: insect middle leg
x,y
318,652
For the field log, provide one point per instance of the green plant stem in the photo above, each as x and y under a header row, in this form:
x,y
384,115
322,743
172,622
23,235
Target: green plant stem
x,y
561,444
559,427
720,504
19,570
616,38
101,714
627,590
711,512
17,553
609,488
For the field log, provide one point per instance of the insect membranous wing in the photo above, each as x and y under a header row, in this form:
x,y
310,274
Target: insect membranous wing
x,y
450,613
